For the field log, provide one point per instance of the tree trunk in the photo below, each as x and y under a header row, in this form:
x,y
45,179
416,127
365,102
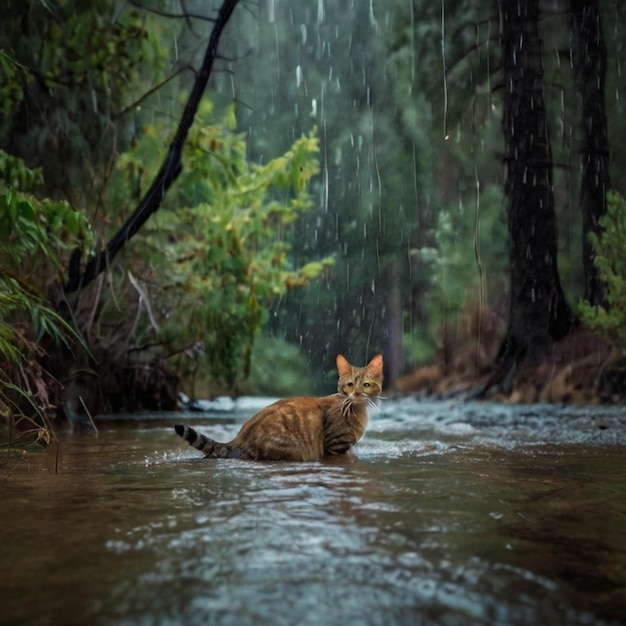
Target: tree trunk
x,y
538,312
589,67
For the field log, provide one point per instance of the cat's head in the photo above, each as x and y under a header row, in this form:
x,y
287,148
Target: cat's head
x,y
360,383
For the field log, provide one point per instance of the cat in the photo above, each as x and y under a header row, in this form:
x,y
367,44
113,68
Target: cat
x,y
303,429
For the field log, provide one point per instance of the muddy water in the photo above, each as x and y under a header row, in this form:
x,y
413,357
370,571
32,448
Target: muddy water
x,y
451,514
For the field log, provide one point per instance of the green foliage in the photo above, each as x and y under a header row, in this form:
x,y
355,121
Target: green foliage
x,y
68,71
11,90
33,234
469,239
222,259
278,369
420,348
611,263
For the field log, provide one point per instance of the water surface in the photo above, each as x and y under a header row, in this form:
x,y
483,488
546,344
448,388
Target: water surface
x,y
449,514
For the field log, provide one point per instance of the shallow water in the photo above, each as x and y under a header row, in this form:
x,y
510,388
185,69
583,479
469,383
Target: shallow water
x,y
449,514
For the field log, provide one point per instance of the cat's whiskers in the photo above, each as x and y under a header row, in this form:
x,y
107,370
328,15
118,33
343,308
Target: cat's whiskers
x,y
347,407
373,403
350,402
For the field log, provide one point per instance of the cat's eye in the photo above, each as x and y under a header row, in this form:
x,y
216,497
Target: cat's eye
x,y
367,384
350,384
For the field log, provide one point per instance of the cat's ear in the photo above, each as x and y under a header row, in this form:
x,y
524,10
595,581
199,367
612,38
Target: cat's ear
x,y
343,367
375,366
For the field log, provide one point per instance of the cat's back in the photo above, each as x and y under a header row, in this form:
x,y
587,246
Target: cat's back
x,y
289,429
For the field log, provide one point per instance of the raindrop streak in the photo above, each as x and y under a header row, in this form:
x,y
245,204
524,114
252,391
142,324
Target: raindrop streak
x,y
321,12
445,71
617,58
413,64
479,265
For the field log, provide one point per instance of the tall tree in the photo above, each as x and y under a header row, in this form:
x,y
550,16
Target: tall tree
x,y
538,311
589,67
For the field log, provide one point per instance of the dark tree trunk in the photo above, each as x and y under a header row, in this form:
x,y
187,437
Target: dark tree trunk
x,y
589,67
538,312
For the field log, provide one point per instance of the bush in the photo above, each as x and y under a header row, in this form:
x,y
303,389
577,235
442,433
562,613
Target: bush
x,y
611,263
33,235
215,256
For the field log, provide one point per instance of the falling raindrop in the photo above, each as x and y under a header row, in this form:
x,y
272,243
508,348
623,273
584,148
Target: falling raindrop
x,y
445,71
321,12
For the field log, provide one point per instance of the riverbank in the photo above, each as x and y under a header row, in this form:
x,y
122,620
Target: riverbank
x,y
581,368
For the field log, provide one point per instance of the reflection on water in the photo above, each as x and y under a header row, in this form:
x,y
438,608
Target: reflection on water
x,y
451,514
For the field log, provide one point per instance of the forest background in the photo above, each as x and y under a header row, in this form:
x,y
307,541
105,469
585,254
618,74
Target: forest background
x,y
342,191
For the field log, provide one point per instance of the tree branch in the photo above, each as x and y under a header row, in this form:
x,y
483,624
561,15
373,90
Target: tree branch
x,y
184,15
169,172
152,90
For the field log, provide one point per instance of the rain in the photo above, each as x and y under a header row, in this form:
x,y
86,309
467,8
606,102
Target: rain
x,y
436,183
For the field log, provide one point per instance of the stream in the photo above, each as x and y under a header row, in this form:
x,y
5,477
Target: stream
x,y
448,513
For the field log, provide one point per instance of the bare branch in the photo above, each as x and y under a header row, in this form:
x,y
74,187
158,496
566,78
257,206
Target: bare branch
x,y
185,15
154,89
169,172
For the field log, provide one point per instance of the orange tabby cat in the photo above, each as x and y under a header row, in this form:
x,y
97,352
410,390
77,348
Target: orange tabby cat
x,y
303,429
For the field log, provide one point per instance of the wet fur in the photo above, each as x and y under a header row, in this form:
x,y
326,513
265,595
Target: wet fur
x,y
303,429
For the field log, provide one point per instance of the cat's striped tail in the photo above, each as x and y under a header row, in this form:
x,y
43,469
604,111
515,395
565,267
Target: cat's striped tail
x,y
210,447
